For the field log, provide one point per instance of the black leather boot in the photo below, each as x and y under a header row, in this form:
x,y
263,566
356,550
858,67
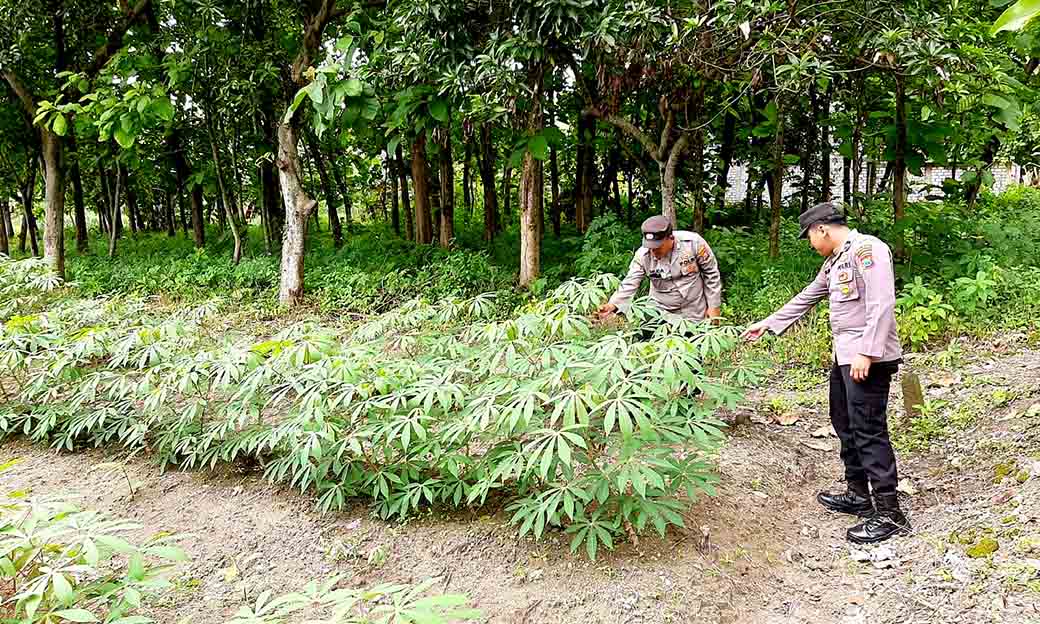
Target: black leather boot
x,y
888,520
854,500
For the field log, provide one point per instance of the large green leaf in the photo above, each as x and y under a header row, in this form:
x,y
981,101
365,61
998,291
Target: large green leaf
x,y
124,138
539,146
354,87
163,109
1017,15
60,125
439,110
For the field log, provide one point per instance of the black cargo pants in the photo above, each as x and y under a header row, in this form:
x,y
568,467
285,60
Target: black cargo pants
x,y
859,413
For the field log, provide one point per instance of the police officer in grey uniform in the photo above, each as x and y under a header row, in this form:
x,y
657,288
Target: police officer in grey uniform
x,y
858,280
684,274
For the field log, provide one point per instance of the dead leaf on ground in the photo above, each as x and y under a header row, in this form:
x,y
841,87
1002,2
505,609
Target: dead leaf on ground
x,y
818,445
947,380
906,487
825,432
788,419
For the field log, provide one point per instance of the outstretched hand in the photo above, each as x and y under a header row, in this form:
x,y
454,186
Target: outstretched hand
x,y
754,332
606,311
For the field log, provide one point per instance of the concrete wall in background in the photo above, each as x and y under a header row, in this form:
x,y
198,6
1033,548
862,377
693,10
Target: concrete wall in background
x,y
928,183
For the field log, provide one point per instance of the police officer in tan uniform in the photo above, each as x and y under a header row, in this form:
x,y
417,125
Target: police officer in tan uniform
x,y
684,274
857,279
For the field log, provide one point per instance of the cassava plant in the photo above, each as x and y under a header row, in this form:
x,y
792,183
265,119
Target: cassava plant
x,y
598,434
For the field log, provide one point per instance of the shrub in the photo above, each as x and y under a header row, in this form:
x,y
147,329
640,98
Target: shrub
x,y
60,563
427,405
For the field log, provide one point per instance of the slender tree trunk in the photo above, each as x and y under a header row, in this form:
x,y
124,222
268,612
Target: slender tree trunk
x,y
610,175
54,218
884,184
846,181
749,191
395,210
447,179
777,186
326,188
82,240
423,220
5,210
115,219
825,147
668,169
409,221
899,174
729,137
628,181
29,229
585,163
344,192
697,180
131,198
226,199
532,191
7,222
871,180
507,193
808,155
171,213
467,178
486,164
555,211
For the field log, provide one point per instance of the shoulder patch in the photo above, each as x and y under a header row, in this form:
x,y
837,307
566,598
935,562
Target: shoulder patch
x,y
865,254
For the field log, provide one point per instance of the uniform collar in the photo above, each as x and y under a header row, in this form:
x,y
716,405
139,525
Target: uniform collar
x,y
853,235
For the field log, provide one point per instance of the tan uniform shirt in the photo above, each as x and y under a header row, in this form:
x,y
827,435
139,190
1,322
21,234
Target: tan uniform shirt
x,y
686,282
860,283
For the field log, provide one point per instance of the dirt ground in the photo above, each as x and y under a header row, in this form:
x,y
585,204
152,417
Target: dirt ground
x,y
762,551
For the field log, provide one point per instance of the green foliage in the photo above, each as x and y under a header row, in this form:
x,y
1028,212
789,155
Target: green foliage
x,y
59,563
922,314
426,405
382,604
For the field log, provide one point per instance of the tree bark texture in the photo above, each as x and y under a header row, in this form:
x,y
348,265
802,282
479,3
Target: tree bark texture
x,y
532,191
447,179
423,219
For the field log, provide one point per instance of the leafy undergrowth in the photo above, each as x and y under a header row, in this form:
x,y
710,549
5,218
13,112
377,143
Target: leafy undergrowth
x,y
427,405
60,563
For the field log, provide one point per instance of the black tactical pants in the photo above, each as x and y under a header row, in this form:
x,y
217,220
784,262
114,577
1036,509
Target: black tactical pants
x,y
859,413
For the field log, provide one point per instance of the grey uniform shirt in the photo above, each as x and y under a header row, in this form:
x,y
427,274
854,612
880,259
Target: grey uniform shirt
x,y
859,281
686,282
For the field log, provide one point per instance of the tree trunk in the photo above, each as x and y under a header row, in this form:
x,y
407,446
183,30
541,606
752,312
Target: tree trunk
x,y
668,169
7,222
82,240
807,159
423,220
586,171
899,174
486,165
532,189
729,137
447,178
697,180
131,199
884,184
777,186
326,188
409,221
395,210
5,211
54,218
610,175
825,147
226,199
971,196
507,193
871,180
171,214
344,192
29,229
846,181
115,219
467,178
298,208
554,181
749,191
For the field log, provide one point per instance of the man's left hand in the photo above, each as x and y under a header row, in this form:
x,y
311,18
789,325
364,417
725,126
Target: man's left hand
x,y
713,315
860,368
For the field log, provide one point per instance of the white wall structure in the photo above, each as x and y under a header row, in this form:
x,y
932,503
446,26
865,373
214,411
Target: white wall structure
x,y
929,183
